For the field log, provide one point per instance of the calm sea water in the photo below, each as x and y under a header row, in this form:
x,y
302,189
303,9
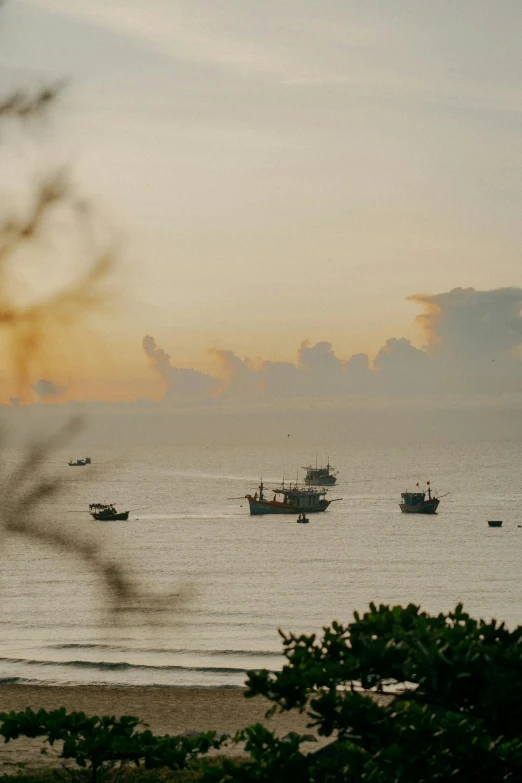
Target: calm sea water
x,y
244,577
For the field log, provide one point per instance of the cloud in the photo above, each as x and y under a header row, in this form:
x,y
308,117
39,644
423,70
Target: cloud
x,y
180,383
207,37
399,355
401,368
471,324
473,339
280,43
473,345
46,390
160,360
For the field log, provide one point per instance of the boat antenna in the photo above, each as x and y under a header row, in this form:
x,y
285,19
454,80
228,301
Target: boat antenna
x,y
283,476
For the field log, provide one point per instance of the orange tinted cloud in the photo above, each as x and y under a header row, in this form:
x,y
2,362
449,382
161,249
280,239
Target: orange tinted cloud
x,y
476,332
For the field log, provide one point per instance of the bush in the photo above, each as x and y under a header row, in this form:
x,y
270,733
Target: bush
x,y
99,743
453,709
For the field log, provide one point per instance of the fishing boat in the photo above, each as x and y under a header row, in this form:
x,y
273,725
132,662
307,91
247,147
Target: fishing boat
x,y
294,499
417,503
107,513
323,476
80,463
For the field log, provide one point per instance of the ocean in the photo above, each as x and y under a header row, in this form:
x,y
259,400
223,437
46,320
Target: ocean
x,y
241,578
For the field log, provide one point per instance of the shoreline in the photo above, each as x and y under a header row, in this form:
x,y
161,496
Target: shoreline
x,y
166,710
26,683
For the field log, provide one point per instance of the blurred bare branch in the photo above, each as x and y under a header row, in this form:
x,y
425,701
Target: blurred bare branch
x,y
23,104
13,232
28,326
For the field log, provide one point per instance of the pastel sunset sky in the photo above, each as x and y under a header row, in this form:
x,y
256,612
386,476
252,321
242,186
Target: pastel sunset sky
x,y
280,171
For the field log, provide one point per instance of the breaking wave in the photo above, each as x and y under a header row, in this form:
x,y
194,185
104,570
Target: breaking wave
x,y
163,650
124,666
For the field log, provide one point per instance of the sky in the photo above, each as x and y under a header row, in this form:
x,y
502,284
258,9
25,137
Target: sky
x,y
289,185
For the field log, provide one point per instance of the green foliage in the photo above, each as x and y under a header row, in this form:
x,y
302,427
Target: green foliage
x,y
271,759
453,709
128,774
97,743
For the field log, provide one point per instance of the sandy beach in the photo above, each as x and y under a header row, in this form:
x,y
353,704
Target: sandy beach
x,y
166,710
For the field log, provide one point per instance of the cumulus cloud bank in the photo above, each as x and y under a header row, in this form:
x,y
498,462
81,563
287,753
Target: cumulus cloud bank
x,y
180,383
472,346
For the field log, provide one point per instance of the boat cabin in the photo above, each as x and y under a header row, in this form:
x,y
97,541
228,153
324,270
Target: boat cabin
x,y
412,498
323,475
301,498
315,473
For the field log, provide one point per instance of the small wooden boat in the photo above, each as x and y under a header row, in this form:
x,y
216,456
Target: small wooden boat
x,y
80,463
107,513
417,503
302,519
495,523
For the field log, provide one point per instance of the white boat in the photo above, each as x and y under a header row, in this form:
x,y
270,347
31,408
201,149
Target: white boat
x,y
324,476
416,502
294,500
